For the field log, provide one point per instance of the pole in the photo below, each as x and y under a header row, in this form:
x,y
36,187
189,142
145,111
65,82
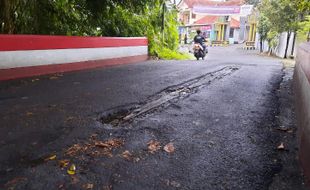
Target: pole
x,y
250,33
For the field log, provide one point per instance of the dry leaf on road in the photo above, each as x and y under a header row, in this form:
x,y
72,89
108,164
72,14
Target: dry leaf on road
x,y
112,143
63,163
281,146
29,114
153,146
71,170
169,148
173,183
52,157
15,181
88,186
53,78
127,155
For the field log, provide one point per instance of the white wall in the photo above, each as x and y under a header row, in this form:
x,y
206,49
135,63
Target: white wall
x,y
14,59
280,49
236,35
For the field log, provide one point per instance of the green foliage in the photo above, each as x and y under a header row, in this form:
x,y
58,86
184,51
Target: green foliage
x,y
252,2
125,18
279,16
303,5
272,39
166,53
304,30
264,26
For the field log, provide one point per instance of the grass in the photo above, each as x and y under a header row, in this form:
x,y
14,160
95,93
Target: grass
x,y
168,54
288,63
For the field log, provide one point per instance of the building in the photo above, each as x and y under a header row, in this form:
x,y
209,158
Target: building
x,y
221,21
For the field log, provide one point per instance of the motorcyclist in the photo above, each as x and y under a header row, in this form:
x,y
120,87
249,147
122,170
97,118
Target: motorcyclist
x,y
200,39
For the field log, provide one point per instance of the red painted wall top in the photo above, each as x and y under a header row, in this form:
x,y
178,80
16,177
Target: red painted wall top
x,y
40,42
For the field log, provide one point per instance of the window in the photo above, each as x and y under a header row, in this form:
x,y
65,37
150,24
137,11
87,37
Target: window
x,y
231,33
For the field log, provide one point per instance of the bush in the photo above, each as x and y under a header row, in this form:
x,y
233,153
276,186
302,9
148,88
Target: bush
x,y
96,18
169,54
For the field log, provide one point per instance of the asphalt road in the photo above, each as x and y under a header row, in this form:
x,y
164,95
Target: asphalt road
x,y
220,115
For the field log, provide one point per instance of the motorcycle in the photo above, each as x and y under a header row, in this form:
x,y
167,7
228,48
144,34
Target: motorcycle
x,y
199,51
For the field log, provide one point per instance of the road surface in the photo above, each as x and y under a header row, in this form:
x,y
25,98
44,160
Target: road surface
x,y
155,125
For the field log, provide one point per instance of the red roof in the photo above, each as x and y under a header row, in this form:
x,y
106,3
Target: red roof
x,y
207,20
191,3
234,23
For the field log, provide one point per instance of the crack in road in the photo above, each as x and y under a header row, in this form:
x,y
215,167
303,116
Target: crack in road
x,y
167,95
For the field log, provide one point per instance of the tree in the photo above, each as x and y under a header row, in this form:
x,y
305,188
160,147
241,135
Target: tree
x,y
263,29
273,40
304,31
283,16
93,18
303,5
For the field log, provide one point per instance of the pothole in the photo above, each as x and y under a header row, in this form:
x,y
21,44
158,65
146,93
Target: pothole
x,y
169,94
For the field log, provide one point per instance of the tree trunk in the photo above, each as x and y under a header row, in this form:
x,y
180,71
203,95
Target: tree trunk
x,y
287,43
293,46
269,47
261,45
8,7
163,21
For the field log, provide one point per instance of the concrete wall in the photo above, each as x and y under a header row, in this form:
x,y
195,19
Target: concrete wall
x,y
280,49
236,35
302,93
30,55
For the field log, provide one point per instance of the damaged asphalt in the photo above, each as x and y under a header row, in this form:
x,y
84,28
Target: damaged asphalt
x,y
223,118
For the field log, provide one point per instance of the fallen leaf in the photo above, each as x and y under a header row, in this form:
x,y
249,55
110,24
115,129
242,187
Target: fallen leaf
x,y
93,136
285,129
102,144
211,142
173,183
281,146
52,106
74,179
290,131
9,169
53,78
64,163
72,170
153,146
127,155
15,181
112,143
136,159
59,74
70,118
29,113
74,149
95,147
88,186
52,157
169,148
61,186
